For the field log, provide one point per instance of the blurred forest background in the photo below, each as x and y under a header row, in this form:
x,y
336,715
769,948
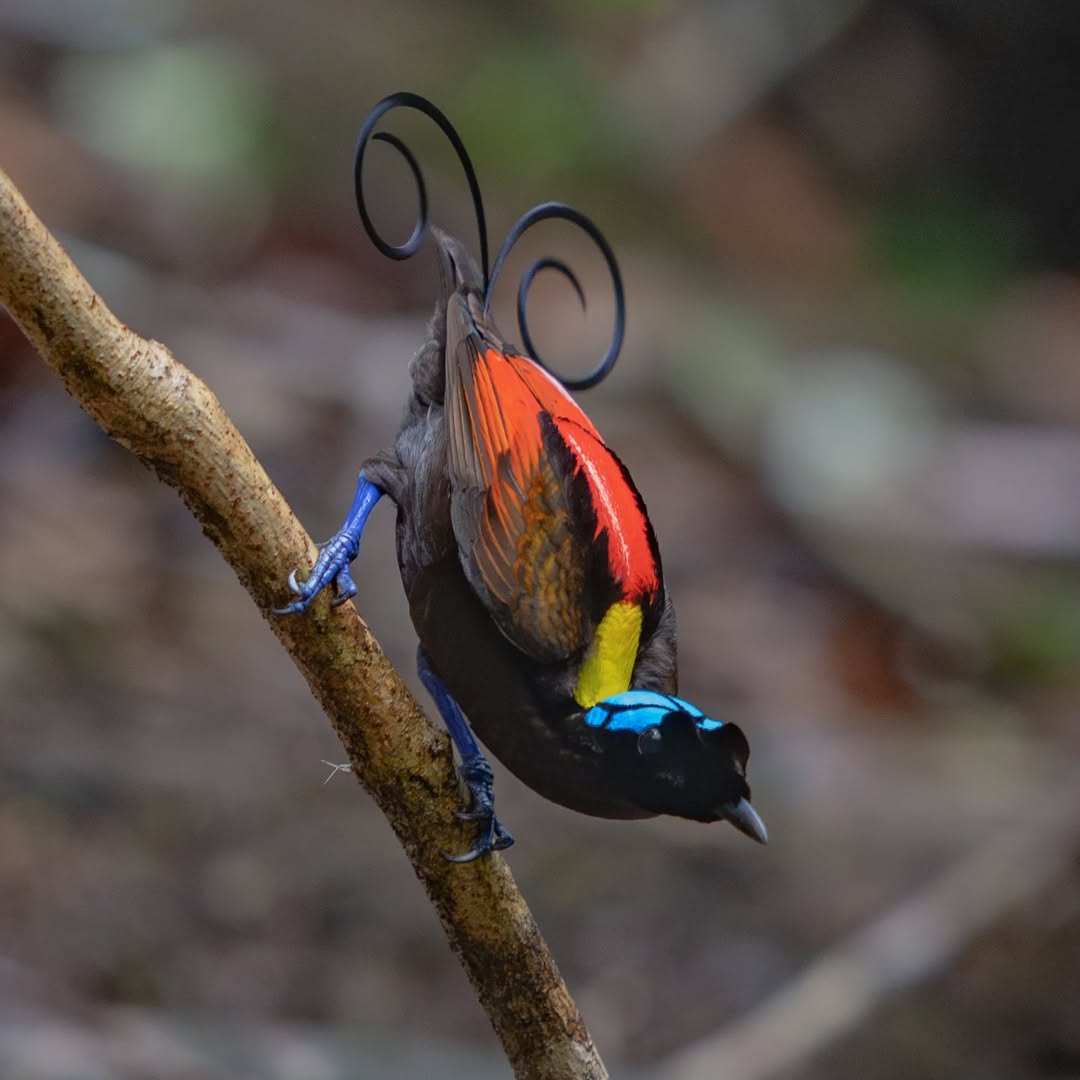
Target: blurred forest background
x,y
850,395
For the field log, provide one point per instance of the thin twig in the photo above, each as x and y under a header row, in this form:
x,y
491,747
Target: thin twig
x,y
151,404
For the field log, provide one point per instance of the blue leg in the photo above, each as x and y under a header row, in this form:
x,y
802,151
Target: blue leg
x,y
475,770
336,554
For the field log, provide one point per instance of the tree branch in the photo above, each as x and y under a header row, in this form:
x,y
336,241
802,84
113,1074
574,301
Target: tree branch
x,y
151,404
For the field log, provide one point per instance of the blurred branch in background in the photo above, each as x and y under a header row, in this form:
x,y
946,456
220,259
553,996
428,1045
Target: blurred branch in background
x,y
909,943
160,411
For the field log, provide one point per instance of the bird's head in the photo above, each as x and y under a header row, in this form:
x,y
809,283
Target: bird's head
x,y
683,762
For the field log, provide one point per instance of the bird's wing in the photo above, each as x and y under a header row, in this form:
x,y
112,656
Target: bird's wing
x,y
550,529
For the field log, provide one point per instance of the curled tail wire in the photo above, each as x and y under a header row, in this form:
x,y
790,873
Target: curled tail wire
x,y
547,212
367,132
544,212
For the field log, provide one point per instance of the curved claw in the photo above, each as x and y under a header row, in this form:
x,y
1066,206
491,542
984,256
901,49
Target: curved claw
x,y
294,608
292,583
344,587
493,837
468,856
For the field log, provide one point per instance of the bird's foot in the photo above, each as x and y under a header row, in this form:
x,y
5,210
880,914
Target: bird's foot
x,y
332,565
474,770
476,773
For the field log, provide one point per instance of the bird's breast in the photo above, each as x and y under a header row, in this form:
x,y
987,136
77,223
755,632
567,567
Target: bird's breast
x,y
523,712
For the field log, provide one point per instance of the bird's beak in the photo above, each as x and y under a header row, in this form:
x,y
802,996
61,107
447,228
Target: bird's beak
x,y
745,818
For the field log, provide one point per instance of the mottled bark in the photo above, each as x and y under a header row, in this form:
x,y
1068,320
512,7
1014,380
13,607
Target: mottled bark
x,y
151,404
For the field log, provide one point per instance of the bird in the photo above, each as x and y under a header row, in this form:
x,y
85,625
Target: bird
x,y
532,570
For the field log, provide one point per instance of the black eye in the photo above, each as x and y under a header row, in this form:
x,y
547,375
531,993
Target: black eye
x,y
649,740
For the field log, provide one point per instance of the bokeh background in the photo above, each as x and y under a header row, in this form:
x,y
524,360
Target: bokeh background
x,y
850,393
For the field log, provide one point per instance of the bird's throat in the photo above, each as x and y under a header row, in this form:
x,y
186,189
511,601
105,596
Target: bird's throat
x,y
609,665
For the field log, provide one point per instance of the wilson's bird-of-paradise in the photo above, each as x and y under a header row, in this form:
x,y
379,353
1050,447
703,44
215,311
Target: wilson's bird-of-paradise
x,y
531,568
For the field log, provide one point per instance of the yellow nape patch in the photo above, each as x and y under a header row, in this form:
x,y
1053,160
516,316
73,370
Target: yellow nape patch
x,y
610,662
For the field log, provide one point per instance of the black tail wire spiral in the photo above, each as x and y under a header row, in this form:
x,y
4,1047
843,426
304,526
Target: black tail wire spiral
x,y
544,212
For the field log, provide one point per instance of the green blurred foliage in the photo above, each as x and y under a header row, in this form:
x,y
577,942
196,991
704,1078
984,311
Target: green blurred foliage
x,y
197,114
948,251
1036,636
